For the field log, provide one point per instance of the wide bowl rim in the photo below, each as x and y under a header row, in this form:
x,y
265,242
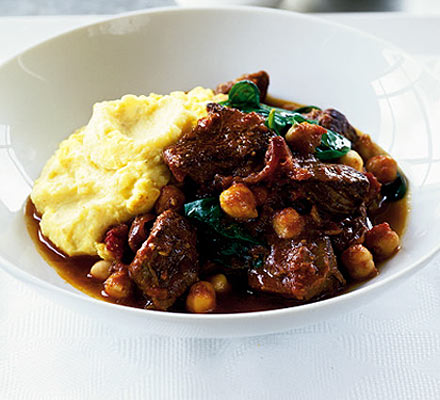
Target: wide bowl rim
x,y
28,278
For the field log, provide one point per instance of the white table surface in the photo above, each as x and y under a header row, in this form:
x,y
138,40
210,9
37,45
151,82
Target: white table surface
x,y
388,349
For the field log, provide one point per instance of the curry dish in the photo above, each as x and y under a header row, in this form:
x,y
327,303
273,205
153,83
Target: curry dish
x,y
260,204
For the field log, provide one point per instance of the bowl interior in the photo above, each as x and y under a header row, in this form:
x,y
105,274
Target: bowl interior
x,y
48,91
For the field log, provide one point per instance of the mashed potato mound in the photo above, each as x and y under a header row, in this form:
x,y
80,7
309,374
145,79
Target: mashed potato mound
x,y
112,169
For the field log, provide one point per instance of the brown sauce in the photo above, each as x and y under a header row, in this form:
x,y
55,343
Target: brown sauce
x,y
75,270
288,105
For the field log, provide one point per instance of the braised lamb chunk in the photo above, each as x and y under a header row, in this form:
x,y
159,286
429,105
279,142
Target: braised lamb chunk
x,y
352,230
299,269
278,163
335,121
260,78
167,263
335,188
226,142
344,231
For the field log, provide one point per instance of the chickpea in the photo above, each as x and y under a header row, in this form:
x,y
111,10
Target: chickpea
x,y
220,283
118,284
353,159
305,137
382,241
170,198
287,223
359,262
201,298
366,147
101,270
384,168
239,202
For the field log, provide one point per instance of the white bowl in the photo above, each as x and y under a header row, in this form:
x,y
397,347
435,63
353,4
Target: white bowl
x,y
48,91
214,3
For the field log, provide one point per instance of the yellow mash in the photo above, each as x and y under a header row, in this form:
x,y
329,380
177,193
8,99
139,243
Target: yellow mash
x,y
112,169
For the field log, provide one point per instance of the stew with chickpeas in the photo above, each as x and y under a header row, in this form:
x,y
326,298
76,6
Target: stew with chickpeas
x,y
272,205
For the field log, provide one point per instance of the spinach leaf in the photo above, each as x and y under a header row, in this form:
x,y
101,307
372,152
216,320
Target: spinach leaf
x,y
209,212
245,96
332,146
395,190
271,120
299,119
305,109
274,120
223,250
220,238
275,123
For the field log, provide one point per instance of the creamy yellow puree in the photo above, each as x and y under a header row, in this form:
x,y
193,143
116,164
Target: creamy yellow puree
x,y
112,169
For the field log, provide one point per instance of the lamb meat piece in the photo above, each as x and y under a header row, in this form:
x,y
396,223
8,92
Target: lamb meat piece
x,y
226,142
353,232
345,231
278,158
335,121
301,270
260,78
334,188
167,263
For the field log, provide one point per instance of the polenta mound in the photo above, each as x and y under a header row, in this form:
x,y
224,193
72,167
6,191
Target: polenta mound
x,y
112,169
